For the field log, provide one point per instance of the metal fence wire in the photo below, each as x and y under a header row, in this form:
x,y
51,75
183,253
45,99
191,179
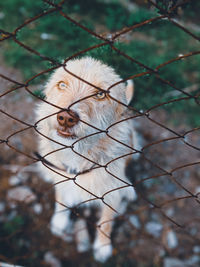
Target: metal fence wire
x,y
172,216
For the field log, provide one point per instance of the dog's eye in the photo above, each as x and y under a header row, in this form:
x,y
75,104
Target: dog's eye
x,y
101,95
62,85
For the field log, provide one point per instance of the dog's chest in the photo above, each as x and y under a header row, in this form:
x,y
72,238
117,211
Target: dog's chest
x,y
75,162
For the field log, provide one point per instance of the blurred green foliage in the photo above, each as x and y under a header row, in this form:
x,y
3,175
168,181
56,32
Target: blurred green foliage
x,y
14,225
152,44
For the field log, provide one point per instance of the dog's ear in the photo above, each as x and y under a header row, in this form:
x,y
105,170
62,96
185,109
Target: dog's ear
x,y
129,91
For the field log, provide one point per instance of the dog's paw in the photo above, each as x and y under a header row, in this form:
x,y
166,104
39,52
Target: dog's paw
x,y
136,156
102,251
82,236
59,226
83,246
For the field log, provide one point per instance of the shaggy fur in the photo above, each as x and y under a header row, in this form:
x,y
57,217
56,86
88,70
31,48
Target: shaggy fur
x,y
95,112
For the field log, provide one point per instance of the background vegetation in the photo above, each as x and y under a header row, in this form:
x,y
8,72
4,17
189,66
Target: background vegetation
x,y
153,44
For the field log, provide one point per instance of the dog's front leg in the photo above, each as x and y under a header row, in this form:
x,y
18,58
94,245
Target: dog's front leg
x,y
102,246
81,235
61,224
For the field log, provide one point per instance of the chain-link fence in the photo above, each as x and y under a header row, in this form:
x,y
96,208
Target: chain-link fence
x,y
162,225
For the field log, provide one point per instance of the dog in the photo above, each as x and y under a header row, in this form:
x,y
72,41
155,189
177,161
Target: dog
x,y
88,140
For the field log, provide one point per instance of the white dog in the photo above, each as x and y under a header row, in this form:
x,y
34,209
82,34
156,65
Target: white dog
x,y
79,138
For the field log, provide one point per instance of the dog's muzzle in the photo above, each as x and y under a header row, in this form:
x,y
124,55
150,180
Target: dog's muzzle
x,y
66,121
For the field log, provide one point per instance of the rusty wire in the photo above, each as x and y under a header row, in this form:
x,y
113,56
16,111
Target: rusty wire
x,y
109,42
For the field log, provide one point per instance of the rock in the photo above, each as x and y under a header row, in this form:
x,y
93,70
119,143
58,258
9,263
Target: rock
x,y
51,260
193,231
21,193
18,179
172,241
170,212
135,221
2,207
154,228
37,208
193,261
173,262
196,249
3,264
14,180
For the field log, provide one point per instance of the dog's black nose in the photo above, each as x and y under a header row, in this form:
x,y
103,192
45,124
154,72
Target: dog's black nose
x,y
67,118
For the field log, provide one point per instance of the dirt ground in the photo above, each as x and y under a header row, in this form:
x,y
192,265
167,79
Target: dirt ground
x,y
161,228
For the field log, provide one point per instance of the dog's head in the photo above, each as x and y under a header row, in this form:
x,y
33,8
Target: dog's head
x,y
86,102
